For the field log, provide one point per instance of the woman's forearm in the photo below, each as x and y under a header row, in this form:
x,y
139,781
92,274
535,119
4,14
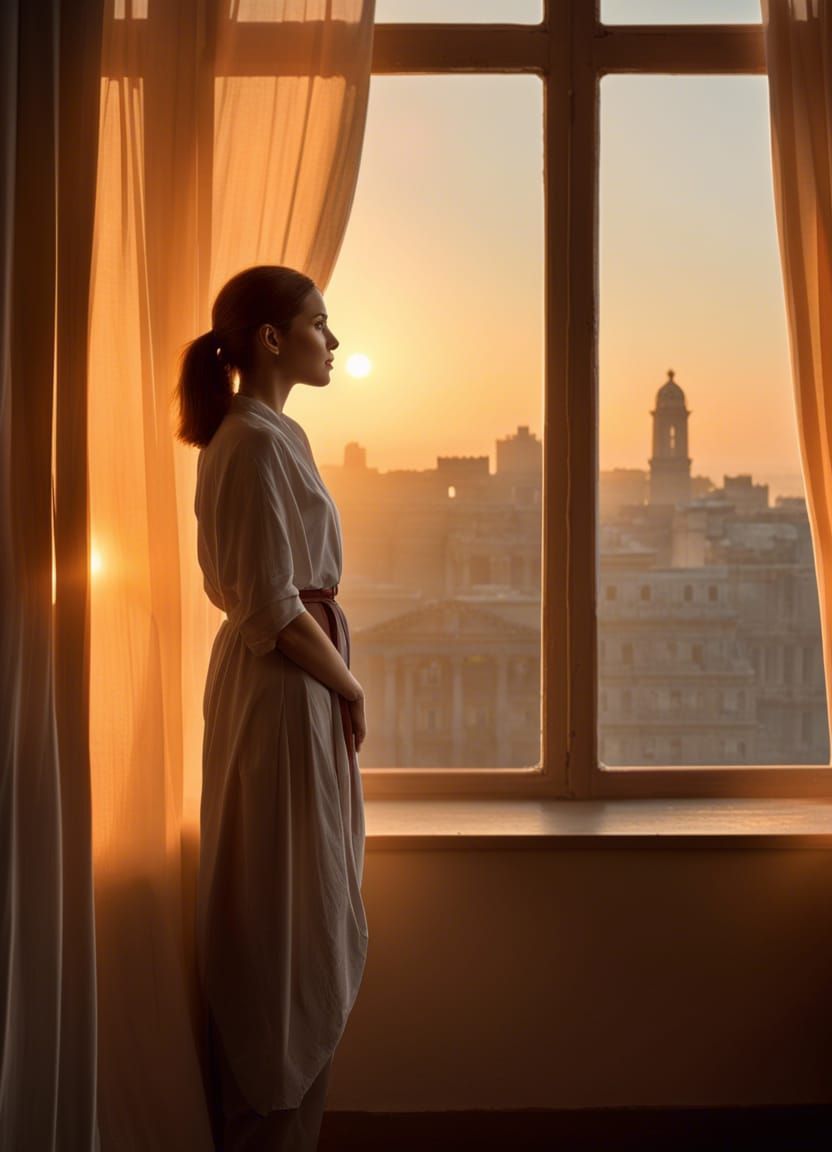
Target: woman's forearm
x,y
305,642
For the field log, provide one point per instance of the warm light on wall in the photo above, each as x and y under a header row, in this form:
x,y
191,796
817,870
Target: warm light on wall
x,y
451,492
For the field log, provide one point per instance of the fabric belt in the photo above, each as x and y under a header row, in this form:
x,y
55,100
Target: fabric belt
x,y
341,639
315,594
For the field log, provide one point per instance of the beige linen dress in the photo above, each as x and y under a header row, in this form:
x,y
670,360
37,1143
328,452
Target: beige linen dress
x,y
281,928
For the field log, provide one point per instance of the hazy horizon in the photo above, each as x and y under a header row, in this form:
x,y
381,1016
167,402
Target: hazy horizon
x,y
780,483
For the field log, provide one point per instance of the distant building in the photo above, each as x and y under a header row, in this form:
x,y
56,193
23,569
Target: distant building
x,y
670,463
456,686
744,494
674,684
708,619
442,590
619,487
708,616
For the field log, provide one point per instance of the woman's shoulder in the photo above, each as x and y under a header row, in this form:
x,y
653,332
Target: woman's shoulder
x,y
239,455
239,438
252,440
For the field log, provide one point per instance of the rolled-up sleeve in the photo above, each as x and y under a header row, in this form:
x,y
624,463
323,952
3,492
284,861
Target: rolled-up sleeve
x,y
255,514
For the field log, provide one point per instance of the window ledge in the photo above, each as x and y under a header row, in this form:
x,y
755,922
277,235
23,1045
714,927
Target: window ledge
x,y
712,823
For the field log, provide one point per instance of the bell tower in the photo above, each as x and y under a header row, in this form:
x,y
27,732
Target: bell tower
x,y
670,463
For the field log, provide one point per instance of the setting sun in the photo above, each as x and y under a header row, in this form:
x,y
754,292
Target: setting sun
x,y
359,365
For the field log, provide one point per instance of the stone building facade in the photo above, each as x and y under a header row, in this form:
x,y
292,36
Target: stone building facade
x,y
708,620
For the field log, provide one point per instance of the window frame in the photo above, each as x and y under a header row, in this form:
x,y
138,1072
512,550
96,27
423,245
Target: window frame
x,y
599,50
570,50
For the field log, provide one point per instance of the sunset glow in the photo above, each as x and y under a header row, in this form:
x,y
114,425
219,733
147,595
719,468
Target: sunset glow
x,y
442,270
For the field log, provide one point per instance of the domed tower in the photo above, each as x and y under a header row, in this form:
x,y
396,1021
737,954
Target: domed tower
x,y
670,463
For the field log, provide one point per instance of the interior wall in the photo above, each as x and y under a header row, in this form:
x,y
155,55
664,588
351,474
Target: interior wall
x,y
564,977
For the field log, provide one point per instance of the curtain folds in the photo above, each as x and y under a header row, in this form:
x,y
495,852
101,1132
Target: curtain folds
x,y
49,95
798,44
175,143
205,165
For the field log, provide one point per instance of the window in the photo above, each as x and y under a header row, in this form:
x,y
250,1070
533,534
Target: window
x,y
474,278
459,11
684,154
440,282
680,11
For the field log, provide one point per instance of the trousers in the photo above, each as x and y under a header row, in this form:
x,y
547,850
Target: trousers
x,y
238,1128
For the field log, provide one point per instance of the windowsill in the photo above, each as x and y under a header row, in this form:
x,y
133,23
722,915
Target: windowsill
x,y
715,823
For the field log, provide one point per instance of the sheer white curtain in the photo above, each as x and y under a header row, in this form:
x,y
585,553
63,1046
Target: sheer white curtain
x,y
201,168
207,163
798,41
49,79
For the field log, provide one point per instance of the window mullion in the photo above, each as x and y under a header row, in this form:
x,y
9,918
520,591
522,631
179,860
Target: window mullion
x,y
571,431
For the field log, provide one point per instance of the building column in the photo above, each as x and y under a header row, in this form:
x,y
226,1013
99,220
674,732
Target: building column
x,y
390,705
457,716
502,716
407,716
501,568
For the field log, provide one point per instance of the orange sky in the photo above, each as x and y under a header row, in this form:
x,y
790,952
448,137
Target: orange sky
x,y
440,277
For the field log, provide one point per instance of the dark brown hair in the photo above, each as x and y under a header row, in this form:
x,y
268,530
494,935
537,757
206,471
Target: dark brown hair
x,y
263,294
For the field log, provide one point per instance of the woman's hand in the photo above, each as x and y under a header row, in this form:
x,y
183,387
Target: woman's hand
x,y
359,722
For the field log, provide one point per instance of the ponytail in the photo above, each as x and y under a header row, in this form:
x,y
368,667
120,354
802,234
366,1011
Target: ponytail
x,y
204,391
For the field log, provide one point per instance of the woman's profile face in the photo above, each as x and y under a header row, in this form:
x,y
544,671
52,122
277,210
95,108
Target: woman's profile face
x,y
305,351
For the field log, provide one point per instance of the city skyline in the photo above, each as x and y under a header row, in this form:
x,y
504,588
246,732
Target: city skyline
x,y
708,630
780,484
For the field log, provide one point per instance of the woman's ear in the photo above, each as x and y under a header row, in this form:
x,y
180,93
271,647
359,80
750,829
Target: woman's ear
x,y
268,338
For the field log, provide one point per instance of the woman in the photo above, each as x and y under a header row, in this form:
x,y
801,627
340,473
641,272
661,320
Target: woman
x,y
281,928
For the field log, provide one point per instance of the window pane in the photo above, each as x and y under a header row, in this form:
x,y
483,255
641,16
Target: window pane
x,y
429,433
708,617
459,11
268,11
130,10
680,12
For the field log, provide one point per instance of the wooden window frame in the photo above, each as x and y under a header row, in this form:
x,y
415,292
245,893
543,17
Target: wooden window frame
x,y
570,50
